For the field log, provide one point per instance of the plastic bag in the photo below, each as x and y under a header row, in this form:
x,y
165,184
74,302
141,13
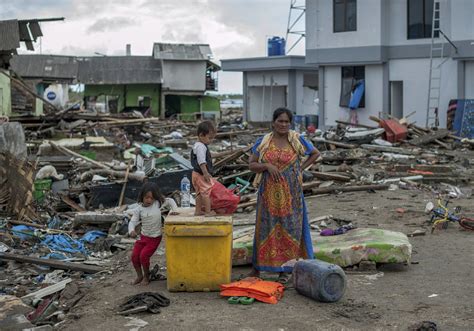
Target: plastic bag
x,y
223,200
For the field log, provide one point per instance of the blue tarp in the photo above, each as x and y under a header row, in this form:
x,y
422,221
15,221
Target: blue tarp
x,y
357,95
23,232
91,236
64,243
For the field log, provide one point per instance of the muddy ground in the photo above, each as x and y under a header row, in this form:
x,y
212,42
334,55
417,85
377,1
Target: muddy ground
x,y
438,286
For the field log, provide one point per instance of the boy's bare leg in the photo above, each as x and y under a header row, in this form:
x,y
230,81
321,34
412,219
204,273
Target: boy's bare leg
x,y
206,200
198,210
139,278
146,276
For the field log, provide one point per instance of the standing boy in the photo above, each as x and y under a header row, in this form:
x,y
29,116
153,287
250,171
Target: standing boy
x,y
201,161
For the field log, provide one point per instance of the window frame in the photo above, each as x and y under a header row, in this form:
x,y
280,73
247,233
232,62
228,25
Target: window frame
x,y
430,23
346,25
354,78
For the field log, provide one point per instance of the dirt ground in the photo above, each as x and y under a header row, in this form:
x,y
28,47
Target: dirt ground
x,y
437,286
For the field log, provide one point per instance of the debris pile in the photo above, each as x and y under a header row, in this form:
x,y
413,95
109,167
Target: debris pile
x,y
63,211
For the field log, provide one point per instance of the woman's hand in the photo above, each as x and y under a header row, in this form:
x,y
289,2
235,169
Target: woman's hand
x,y
133,234
273,171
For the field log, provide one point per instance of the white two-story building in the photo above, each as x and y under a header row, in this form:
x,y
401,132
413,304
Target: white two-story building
x,y
388,44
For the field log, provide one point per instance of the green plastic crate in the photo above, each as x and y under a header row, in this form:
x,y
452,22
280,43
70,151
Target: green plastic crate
x,y
43,184
38,196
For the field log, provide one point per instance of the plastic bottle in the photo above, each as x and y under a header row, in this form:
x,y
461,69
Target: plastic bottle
x,y
185,192
319,280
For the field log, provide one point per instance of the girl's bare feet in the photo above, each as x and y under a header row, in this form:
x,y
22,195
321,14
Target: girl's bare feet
x,y
139,278
145,281
137,281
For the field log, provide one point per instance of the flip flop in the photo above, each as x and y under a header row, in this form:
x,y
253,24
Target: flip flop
x,y
283,278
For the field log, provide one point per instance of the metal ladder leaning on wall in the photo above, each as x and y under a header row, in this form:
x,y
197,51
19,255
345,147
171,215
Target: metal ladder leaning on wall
x,y
436,61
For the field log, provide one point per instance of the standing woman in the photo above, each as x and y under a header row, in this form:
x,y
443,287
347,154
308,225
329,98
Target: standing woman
x,y
282,230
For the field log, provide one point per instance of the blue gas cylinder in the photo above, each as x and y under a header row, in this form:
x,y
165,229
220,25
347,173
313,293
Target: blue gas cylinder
x,y
319,280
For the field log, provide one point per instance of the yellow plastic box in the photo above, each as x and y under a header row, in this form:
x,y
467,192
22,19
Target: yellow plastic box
x,y
198,251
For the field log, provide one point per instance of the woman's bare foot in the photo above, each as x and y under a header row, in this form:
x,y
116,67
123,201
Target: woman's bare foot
x,y
145,281
211,213
137,281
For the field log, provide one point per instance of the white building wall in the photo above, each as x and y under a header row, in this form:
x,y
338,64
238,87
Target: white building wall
x,y
184,75
462,20
320,26
469,80
415,76
267,78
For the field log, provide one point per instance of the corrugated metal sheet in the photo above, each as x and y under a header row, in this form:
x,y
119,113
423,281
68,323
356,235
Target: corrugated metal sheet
x,y
119,70
9,35
182,51
45,66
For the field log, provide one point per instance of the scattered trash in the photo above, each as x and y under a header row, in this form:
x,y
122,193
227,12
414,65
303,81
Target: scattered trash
x,y
432,296
146,301
135,323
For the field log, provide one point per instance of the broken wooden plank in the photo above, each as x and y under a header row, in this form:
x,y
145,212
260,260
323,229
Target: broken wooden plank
x,y
46,291
96,218
332,189
71,203
430,137
335,143
88,175
358,125
388,149
39,226
232,157
330,176
240,174
85,158
51,263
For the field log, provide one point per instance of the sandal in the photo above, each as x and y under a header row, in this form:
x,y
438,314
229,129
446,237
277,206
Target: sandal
x,y
284,277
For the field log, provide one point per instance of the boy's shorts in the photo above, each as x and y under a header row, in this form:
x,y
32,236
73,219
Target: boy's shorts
x,y
201,186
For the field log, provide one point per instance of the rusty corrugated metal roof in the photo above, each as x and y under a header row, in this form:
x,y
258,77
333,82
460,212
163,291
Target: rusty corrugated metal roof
x,y
54,67
119,70
9,35
166,51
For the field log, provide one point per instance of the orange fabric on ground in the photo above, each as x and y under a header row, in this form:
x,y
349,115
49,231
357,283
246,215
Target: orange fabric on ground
x,y
201,186
261,290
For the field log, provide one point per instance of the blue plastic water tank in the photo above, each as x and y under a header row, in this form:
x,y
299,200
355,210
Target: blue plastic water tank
x,y
276,46
319,280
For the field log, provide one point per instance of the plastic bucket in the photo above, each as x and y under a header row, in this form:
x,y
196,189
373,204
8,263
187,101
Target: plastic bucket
x,y
311,123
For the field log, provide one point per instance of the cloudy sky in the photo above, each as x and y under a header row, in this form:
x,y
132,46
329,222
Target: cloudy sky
x,y
233,28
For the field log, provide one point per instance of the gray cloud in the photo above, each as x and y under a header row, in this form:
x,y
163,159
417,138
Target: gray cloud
x,y
111,24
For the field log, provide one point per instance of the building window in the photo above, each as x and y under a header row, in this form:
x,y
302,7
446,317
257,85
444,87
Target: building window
x,y
420,19
345,15
351,77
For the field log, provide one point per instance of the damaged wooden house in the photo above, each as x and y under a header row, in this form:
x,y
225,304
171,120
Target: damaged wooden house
x,y
173,82
16,97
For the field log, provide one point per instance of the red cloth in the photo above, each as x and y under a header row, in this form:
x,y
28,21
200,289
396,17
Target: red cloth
x,y
261,290
223,200
144,248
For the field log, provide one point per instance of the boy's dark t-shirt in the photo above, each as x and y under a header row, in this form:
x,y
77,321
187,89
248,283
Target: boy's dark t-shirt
x,y
195,163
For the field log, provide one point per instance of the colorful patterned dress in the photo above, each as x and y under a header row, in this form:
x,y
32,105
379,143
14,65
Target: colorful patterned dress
x,y
282,230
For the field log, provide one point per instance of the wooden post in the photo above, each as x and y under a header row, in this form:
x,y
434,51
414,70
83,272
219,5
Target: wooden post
x,y
122,194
